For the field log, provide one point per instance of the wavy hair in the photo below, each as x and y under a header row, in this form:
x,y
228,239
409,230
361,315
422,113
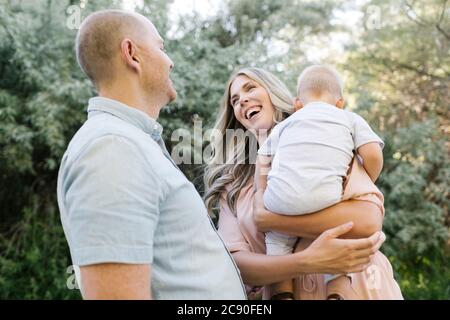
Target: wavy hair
x,y
227,178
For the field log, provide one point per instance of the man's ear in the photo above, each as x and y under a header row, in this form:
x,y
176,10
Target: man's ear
x,y
340,103
297,104
129,54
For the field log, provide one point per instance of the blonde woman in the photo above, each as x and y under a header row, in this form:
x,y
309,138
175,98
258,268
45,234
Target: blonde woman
x,y
254,101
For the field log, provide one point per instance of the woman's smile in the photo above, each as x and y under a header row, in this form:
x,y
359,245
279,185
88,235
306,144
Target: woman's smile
x,y
252,112
251,103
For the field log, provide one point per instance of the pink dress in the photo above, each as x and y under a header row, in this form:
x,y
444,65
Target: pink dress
x,y
375,283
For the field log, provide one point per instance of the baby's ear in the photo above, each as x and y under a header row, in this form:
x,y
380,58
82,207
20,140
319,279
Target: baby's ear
x,y
297,104
340,103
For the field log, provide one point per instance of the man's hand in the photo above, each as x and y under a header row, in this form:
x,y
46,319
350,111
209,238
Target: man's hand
x,y
111,281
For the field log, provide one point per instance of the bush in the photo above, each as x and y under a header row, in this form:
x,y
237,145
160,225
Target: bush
x,y
35,257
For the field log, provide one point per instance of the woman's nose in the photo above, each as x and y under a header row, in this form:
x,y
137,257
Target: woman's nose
x,y
243,100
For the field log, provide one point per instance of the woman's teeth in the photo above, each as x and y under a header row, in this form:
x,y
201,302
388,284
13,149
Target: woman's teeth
x,y
252,112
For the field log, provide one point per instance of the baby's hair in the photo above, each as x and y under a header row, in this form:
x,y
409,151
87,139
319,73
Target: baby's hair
x,y
317,80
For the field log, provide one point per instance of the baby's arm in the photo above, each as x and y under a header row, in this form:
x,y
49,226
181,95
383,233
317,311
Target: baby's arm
x,y
372,156
263,164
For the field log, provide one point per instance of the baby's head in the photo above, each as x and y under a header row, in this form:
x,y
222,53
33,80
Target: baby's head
x,y
319,83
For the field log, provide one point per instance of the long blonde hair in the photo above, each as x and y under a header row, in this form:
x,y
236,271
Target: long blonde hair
x,y
224,178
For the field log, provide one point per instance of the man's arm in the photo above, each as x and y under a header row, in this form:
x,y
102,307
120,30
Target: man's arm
x,y
372,156
112,199
110,281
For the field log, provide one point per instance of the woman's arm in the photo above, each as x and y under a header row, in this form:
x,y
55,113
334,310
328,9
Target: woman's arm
x,y
366,216
262,168
327,254
258,269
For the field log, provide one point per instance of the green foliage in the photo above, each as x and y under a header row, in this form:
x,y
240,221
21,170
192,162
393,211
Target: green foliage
x,y
398,79
35,260
415,185
400,84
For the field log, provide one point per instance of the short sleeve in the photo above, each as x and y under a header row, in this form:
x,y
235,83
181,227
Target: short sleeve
x,y
269,147
229,231
112,198
363,133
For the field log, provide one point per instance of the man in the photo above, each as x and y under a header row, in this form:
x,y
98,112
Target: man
x,y
135,225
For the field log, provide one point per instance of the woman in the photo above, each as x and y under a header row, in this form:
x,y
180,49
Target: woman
x,y
255,100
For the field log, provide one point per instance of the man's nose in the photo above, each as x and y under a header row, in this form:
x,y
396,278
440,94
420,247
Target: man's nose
x,y
171,64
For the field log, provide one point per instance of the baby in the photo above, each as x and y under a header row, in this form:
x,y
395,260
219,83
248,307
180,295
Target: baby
x,y
304,161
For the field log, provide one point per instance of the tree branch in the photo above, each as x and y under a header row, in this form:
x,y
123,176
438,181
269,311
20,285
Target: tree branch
x,y
441,18
415,18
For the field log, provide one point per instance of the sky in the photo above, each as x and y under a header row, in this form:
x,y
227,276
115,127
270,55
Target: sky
x,y
350,16
204,8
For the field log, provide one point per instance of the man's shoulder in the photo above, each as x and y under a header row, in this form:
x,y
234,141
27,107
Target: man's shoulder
x,y
108,129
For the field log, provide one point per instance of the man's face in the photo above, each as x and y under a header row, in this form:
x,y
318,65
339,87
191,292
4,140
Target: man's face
x,y
156,64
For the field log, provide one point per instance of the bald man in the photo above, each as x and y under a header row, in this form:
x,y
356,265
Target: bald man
x,y
136,227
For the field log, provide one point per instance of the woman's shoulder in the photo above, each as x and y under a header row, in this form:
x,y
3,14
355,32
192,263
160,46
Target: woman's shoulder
x,y
358,183
247,193
248,189
245,196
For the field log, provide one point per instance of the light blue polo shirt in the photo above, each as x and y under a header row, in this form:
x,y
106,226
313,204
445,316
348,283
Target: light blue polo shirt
x,y
122,199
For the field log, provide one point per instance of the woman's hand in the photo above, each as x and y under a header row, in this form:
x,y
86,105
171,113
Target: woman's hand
x,y
261,216
328,254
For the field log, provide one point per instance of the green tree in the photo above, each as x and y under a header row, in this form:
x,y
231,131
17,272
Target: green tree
x,y
43,98
399,70
398,79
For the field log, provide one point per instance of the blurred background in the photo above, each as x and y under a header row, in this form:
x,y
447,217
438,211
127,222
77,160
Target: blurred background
x,y
393,55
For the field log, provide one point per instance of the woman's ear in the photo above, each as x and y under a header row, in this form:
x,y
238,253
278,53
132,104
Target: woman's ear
x,y
129,54
297,104
340,103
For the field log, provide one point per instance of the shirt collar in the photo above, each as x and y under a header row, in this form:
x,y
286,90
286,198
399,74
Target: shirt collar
x,y
126,113
318,103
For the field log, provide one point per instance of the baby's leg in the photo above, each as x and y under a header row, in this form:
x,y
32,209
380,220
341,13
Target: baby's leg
x,y
278,244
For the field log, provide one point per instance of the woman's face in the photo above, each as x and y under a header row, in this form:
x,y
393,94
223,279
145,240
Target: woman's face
x,y
251,104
